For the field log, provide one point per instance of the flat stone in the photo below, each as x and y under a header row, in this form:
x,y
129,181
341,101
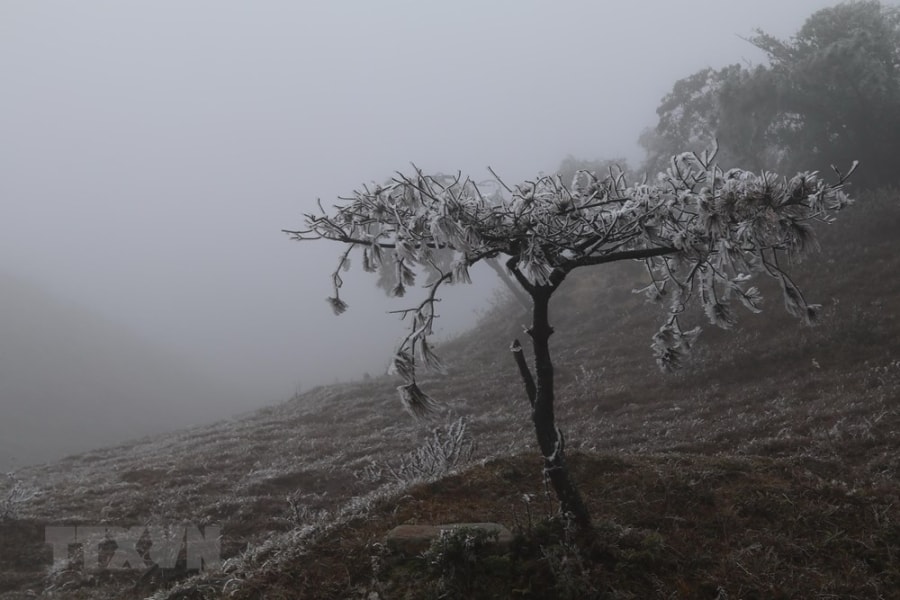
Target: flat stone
x,y
415,539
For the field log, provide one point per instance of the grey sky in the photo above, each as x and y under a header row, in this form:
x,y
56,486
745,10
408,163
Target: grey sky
x,y
150,152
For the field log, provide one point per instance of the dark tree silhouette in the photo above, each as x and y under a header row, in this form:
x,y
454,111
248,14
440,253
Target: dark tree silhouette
x,y
702,234
831,93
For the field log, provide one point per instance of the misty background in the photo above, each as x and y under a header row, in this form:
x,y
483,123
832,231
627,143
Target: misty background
x,y
151,153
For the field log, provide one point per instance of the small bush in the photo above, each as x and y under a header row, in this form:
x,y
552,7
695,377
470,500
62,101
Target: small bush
x,y
457,558
13,497
446,450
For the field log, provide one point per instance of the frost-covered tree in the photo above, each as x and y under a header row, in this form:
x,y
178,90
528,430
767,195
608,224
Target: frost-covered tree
x,y
838,89
735,106
701,232
829,93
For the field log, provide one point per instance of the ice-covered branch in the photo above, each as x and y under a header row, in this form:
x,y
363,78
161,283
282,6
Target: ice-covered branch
x,y
701,231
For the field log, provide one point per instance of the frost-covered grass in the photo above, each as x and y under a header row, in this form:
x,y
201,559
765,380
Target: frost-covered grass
x,y
822,403
14,495
270,479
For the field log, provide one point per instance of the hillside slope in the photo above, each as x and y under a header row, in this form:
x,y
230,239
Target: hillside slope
x,y
820,404
71,381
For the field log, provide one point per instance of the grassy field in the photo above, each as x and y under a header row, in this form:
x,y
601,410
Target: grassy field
x,y
768,468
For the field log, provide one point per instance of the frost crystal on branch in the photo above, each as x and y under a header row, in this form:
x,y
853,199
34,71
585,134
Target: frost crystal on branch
x,y
415,401
337,305
702,233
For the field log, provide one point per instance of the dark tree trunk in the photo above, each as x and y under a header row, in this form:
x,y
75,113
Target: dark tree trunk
x,y
550,439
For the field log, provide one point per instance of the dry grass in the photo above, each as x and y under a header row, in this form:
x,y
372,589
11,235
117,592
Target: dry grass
x,y
669,526
775,441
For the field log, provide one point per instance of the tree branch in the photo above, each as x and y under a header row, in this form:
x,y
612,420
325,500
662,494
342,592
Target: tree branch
x,y
624,255
511,264
523,298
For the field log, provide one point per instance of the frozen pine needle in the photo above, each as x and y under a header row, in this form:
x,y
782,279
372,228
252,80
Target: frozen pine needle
x,y
416,402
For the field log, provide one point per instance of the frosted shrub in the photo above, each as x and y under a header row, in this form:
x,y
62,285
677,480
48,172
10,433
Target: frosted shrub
x,y
13,496
447,449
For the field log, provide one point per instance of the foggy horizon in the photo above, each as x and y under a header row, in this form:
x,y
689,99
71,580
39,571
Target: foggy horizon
x,y
153,152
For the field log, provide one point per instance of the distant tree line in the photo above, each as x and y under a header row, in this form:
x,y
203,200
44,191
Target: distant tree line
x,y
829,95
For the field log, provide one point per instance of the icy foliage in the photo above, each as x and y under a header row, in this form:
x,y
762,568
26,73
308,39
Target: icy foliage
x,y
449,448
701,232
14,494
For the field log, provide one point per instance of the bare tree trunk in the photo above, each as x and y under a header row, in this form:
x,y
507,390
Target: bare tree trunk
x,y
550,439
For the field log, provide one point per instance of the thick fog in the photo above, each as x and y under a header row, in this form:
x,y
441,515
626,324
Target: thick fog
x,y
151,152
